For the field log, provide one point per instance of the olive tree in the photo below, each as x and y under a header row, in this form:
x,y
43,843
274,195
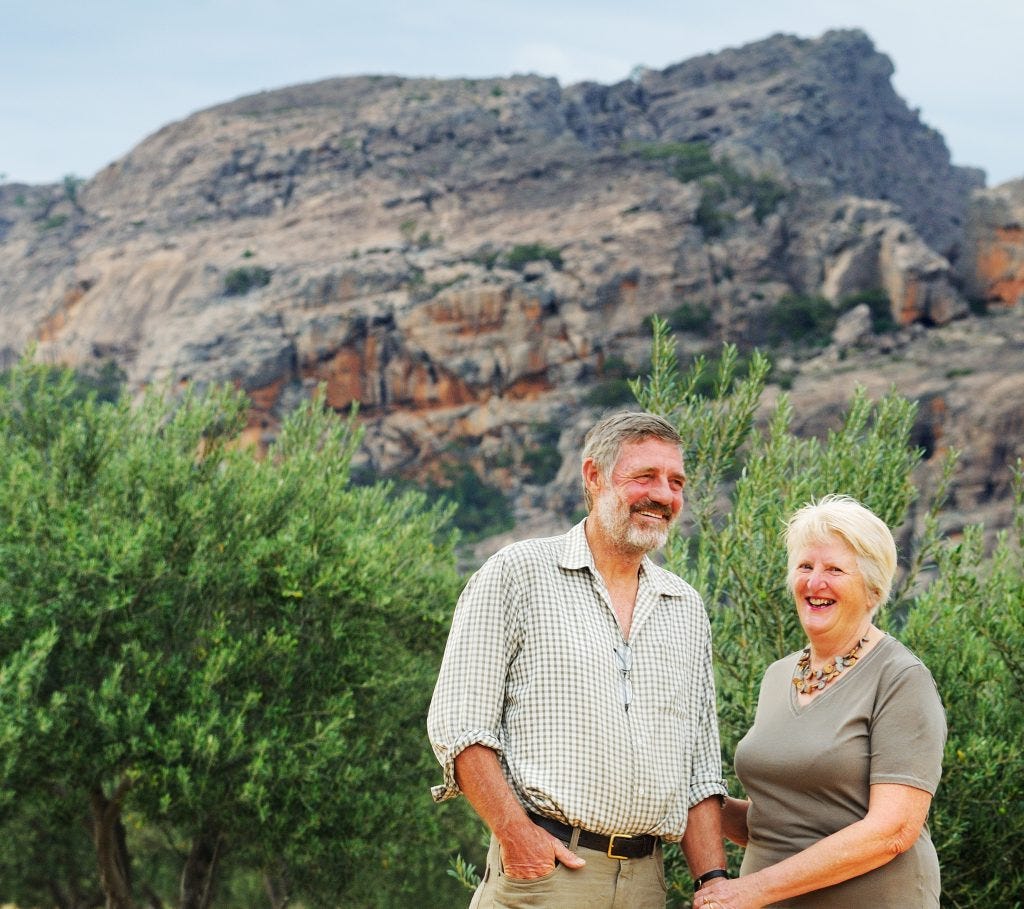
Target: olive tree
x,y
216,662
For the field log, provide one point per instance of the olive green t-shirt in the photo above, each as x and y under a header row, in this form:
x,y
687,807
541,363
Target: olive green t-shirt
x,y
808,769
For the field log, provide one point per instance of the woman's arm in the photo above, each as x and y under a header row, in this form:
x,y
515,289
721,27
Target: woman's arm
x,y
892,825
734,820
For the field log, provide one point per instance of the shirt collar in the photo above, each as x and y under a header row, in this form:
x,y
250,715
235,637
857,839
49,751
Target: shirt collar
x,y
576,555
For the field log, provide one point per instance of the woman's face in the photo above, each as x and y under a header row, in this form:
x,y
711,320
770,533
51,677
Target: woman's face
x,y
832,599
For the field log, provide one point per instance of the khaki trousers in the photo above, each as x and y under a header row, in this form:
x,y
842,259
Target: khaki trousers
x,y
603,883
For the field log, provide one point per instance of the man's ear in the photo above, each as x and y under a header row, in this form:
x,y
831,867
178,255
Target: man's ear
x,y
591,475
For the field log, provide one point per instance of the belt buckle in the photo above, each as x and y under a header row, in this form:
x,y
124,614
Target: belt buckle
x,y
611,845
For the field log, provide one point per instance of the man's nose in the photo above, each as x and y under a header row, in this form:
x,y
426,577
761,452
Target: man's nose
x,y
661,490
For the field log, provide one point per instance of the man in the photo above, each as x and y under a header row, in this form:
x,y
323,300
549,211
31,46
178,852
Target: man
x,y
575,704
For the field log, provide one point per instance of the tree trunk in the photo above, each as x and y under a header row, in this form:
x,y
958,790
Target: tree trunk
x,y
111,848
276,887
198,877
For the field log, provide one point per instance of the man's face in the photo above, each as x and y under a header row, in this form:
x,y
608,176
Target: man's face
x,y
637,504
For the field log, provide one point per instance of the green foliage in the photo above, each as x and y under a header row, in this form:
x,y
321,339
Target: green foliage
x,y
803,320
688,160
878,302
720,181
542,459
694,318
979,306
764,194
486,256
239,281
522,254
465,873
54,221
219,647
71,185
710,217
104,382
423,240
967,624
481,509
968,627
614,388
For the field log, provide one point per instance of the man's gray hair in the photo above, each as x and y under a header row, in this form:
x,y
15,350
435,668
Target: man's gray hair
x,y
603,443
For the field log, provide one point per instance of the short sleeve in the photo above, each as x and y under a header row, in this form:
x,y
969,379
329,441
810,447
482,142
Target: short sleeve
x,y
908,731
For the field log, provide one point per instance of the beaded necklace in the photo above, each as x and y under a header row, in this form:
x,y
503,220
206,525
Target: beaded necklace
x,y
807,680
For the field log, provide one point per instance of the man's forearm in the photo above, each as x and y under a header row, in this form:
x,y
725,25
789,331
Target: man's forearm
x,y
478,773
702,841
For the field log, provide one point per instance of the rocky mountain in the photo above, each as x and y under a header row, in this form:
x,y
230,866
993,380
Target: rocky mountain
x,y
474,261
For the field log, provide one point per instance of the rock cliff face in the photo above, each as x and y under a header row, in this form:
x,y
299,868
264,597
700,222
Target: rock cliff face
x,y
470,259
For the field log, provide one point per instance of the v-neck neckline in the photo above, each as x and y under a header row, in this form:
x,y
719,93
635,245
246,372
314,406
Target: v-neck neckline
x,y
799,709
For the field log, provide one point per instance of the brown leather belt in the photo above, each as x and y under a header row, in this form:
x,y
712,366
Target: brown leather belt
x,y
616,846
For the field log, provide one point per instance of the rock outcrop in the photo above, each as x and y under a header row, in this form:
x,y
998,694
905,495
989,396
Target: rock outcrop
x,y
469,259
995,231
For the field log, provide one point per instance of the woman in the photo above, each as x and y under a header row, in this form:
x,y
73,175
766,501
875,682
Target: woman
x,y
845,752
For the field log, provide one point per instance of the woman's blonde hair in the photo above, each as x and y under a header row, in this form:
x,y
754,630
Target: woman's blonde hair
x,y
859,527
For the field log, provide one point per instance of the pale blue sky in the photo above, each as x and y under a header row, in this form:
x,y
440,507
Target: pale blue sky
x,y
83,81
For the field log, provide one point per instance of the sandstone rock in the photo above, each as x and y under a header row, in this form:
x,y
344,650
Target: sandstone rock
x,y
470,259
995,274
853,327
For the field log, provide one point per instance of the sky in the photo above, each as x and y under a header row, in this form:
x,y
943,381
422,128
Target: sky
x,y
84,81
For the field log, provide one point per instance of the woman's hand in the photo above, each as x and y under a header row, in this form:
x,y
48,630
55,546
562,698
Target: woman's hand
x,y
734,820
722,893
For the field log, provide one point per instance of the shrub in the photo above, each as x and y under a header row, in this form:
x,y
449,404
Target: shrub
x,y
542,458
878,302
239,281
765,194
481,509
520,255
720,180
710,217
54,221
687,160
964,616
614,387
691,317
71,185
806,320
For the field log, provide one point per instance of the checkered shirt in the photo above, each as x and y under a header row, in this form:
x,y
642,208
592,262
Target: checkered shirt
x,y
530,671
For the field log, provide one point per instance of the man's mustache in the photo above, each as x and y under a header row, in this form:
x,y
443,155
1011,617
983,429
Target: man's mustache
x,y
648,505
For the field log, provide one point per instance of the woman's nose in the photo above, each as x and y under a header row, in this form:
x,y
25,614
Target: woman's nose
x,y
815,580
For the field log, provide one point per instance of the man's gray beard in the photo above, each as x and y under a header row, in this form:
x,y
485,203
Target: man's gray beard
x,y
614,516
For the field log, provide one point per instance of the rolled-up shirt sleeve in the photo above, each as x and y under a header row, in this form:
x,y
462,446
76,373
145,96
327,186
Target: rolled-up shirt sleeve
x,y
706,776
469,697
